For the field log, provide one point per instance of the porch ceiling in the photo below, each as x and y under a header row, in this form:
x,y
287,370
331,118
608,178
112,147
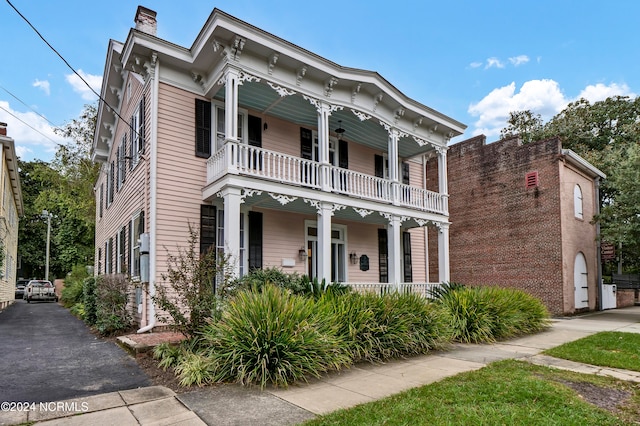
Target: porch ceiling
x,y
258,96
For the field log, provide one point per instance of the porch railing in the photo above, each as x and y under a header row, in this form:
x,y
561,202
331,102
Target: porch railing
x,y
248,160
422,289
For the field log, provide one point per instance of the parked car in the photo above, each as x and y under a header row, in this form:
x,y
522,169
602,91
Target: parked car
x,y
20,285
40,290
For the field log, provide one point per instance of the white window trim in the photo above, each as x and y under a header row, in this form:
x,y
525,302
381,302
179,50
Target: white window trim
x,y
244,137
334,227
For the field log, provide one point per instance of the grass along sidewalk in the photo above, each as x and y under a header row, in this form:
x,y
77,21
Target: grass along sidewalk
x,y
605,349
505,392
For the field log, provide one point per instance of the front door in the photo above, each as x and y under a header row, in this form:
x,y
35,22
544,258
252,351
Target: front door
x,y
338,252
580,282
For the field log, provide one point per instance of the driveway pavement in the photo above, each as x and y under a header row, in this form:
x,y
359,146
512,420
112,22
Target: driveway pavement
x,y
47,354
236,405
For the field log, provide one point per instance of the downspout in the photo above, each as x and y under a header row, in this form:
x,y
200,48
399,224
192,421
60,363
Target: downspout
x,y
153,164
596,182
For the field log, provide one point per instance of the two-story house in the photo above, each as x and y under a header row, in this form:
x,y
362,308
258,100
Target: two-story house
x,y
11,208
281,158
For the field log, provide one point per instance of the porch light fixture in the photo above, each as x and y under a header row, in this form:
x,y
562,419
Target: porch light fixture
x,y
353,257
302,254
339,131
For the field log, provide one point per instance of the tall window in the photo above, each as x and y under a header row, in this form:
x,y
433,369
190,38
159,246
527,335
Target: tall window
x,y
577,202
137,228
137,134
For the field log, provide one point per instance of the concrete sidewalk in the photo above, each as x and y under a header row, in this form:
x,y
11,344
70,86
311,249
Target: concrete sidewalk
x,y
236,405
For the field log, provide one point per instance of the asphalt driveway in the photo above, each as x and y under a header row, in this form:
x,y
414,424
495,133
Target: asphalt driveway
x,y
47,354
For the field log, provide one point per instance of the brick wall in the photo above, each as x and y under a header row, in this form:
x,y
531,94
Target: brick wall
x,y
625,297
503,233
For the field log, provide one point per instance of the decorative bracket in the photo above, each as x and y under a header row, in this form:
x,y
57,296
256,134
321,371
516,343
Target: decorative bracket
x,y
300,72
319,105
376,100
282,199
249,193
247,77
391,216
197,78
354,92
237,46
272,62
397,114
362,212
361,115
282,91
417,122
318,206
328,86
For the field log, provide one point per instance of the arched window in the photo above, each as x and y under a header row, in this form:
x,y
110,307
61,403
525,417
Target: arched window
x,y
577,202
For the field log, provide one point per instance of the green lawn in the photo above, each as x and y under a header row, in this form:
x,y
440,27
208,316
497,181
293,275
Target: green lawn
x,y
605,349
503,393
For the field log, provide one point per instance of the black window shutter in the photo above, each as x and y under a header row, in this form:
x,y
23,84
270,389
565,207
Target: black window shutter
x,y
141,125
203,128
141,223
124,158
379,166
207,228
128,251
405,173
255,131
306,144
343,154
110,255
255,240
406,245
101,198
383,257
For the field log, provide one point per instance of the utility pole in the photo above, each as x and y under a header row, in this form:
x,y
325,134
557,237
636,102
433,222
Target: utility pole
x,y
46,268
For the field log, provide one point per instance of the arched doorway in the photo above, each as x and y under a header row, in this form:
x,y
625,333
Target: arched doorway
x,y
580,282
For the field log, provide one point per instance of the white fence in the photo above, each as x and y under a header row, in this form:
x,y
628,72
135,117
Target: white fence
x,y
423,289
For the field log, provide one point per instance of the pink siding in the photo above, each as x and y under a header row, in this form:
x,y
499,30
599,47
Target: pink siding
x,y
282,238
362,239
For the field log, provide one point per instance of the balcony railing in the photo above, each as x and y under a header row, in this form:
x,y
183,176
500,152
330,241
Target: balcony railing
x,y
248,160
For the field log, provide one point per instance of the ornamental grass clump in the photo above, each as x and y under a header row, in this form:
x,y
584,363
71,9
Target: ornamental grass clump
x,y
272,336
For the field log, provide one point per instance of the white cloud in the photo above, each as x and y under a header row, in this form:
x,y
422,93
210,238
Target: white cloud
x,y
600,92
494,62
475,64
519,60
35,139
44,85
542,97
95,81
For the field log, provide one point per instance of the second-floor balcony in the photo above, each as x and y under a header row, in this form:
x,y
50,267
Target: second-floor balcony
x,y
246,160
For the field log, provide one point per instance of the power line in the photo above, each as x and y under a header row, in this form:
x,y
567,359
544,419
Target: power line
x,y
23,103
28,125
71,68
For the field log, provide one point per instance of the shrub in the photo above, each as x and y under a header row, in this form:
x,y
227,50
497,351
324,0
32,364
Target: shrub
x,y
485,314
191,303
272,337
111,304
78,310
89,300
167,355
258,278
72,290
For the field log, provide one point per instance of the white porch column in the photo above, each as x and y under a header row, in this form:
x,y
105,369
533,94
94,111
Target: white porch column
x,y
393,165
232,203
394,246
325,211
443,253
442,170
324,111
232,79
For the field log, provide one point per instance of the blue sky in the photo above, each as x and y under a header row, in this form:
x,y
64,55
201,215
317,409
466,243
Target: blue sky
x,y
472,60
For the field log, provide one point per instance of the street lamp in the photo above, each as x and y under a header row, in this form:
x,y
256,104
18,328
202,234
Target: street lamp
x,y
48,216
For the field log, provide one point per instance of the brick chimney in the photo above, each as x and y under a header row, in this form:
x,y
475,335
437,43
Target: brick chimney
x,y
146,21
3,129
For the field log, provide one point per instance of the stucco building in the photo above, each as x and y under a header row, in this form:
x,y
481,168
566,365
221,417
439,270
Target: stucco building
x,y
280,157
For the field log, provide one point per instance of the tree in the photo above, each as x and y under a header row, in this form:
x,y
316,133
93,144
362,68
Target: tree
x,y
64,188
607,134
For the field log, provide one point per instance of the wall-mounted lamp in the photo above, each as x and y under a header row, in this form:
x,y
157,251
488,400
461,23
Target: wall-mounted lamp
x,y
339,131
265,126
353,257
302,254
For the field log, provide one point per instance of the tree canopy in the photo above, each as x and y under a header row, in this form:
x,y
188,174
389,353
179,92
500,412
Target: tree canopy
x,y
63,188
607,134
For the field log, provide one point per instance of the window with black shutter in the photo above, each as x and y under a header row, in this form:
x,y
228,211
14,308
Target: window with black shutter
x,y
405,173
207,228
255,240
255,131
406,250
203,128
383,256
306,144
101,198
343,154
379,166
110,260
